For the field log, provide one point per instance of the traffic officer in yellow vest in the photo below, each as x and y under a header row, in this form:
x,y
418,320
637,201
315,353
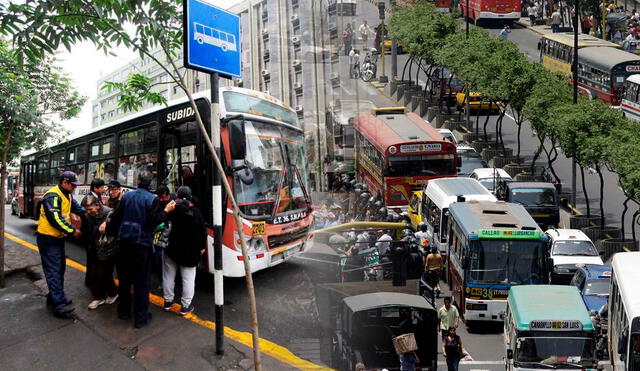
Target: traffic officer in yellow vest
x,y
54,225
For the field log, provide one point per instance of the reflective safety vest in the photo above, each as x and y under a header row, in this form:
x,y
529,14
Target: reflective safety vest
x,y
60,211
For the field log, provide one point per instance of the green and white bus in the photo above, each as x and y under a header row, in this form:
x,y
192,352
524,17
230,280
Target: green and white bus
x,y
548,326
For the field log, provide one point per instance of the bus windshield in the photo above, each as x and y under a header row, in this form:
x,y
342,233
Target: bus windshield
x,y
244,103
533,196
421,165
512,262
275,157
554,351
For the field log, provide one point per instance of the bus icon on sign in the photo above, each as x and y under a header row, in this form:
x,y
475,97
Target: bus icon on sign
x,y
212,36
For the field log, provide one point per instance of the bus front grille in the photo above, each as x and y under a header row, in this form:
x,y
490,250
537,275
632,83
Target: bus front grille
x,y
275,241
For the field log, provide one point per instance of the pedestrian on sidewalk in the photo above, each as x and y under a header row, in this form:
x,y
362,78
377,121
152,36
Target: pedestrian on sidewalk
x,y
347,37
556,19
103,249
115,194
452,349
365,30
134,221
187,243
586,24
448,317
531,12
97,188
504,34
53,226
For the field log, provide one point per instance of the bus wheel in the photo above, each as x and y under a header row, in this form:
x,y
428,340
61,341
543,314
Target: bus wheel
x,y
199,40
224,48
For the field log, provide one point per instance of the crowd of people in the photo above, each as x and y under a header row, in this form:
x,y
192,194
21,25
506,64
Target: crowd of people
x,y
122,233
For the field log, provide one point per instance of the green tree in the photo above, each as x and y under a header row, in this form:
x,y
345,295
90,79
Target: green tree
x,y
40,28
549,91
33,97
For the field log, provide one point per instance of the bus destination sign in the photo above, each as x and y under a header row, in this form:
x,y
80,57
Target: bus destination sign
x,y
421,147
551,325
509,234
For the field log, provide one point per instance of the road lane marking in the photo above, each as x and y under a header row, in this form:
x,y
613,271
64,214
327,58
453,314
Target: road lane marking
x,y
267,347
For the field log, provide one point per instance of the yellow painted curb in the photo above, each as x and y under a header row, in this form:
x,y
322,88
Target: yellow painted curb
x,y
267,347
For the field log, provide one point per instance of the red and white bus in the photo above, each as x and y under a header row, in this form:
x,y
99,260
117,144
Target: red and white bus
x,y
397,153
270,182
484,10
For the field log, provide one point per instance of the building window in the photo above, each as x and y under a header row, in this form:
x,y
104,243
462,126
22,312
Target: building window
x,y
175,89
165,93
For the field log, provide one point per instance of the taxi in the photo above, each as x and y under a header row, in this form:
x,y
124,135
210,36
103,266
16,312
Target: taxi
x,y
476,101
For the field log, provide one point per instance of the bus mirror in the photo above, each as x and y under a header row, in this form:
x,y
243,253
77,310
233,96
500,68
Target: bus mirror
x,y
237,140
509,353
539,45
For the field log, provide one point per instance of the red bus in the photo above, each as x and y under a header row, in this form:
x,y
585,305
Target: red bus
x,y
270,183
397,152
480,10
602,72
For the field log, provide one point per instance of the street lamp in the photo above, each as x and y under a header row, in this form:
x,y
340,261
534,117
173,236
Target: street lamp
x,y
383,78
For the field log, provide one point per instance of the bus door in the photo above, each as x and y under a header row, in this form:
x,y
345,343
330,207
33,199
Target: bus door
x,y
28,184
178,146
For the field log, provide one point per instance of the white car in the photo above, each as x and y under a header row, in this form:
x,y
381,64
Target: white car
x,y
448,135
570,248
491,177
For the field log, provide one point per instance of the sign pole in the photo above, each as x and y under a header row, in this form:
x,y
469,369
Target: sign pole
x,y
216,200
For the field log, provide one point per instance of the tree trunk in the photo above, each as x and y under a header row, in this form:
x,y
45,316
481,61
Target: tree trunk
x,y
405,66
633,225
537,153
550,160
3,182
584,191
486,121
599,171
624,213
499,128
519,124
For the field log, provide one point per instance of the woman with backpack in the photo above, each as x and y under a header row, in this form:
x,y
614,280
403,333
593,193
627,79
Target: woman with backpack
x,y
187,242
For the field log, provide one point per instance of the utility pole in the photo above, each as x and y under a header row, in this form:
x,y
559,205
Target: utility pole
x,y
574,67
604,20
466,95
394,50
216,201
383,78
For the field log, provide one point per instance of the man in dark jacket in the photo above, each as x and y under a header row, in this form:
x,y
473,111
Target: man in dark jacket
x,y
115,194
133,221
97,188
187,242
54,224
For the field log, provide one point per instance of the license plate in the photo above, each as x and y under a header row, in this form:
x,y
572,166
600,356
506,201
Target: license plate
x,y
290,252
258,228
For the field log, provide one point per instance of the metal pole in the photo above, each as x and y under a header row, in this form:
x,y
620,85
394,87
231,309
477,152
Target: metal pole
x,y
216,201
467,18
604,20
394,50
575,94
383,77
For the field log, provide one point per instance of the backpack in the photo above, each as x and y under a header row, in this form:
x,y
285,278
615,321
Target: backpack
x,y
161,235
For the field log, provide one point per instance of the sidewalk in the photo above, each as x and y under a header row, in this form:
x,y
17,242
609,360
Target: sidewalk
x,y
31,338
539,29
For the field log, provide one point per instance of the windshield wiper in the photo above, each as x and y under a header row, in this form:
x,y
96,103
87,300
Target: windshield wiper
x,y
535,364
568,364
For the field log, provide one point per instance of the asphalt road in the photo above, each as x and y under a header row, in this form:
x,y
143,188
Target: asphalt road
x,y
527,41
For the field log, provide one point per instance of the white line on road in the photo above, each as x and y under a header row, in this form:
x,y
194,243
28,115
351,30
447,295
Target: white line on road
x,y
478,363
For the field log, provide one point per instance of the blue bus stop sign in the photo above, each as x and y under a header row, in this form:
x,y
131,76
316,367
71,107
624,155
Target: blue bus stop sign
x,y
211,39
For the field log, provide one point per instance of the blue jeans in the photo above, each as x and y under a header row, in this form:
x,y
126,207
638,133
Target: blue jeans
x,y
452,363
555,28
53,264
407,362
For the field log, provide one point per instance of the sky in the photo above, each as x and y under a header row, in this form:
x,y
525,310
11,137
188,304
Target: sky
x,y
85,65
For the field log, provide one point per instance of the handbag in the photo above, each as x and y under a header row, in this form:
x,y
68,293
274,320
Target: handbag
x,y
106,247
161,235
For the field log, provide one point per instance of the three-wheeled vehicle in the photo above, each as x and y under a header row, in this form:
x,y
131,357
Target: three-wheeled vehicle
x,y
362,318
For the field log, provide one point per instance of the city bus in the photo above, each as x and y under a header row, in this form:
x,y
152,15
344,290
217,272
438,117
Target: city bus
x,y
431,206
602,72
397,153
624,312
492,247
270,183
506,11
630,103
556,49
548,326
343,116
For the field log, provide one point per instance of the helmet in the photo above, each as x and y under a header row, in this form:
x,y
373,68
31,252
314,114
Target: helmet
x,y
357,185
365,187
372,199
357,190
379,204
423,227
365,195
382,211
407,232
